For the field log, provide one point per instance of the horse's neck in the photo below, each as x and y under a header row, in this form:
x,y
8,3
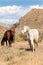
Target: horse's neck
x,y
28,29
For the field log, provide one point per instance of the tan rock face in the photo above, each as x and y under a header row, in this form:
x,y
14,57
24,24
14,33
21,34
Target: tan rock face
x,y
33,18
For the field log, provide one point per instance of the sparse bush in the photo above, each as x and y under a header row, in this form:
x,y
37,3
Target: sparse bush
x,y
20,37
16,24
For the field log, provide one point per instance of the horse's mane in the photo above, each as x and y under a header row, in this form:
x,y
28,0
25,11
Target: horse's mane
x,y
27,27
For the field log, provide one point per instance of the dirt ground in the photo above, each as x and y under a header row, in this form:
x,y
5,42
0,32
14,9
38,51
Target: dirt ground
x,y
20,54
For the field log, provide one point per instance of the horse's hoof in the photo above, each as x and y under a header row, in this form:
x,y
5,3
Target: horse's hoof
x,y
33,50
10,46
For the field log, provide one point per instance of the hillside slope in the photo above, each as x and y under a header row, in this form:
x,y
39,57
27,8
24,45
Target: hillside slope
x,y
34,19
3,28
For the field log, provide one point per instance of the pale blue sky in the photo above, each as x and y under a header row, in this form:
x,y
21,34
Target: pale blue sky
x,y
12,10
20,2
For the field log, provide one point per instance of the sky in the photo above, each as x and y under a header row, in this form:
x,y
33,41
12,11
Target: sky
x,y
12,10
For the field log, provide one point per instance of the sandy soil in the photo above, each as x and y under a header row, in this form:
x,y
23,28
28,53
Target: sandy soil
x,y
19,54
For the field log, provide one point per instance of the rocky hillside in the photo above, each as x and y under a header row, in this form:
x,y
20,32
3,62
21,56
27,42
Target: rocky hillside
x,y
34,19
3,28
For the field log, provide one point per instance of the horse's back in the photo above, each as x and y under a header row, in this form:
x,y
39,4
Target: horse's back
x,y
33,31
34,34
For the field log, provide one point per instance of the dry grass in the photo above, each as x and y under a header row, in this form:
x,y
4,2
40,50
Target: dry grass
x,y
19,54
19,37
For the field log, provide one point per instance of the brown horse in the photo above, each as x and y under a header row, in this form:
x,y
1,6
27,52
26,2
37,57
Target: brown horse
x,y
8,36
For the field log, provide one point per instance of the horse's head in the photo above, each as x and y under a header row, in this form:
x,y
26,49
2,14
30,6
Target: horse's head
x,y
25,29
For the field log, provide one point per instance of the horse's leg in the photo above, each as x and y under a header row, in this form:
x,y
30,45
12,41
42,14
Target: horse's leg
x,y
2,43
29,41
9,43
32,43
36,39
36,42
6,42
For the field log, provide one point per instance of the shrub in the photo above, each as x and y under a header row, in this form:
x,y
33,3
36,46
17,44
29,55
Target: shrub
x,y
20,37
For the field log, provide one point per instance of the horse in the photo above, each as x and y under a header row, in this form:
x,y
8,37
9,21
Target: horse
x,y
32,35
8,36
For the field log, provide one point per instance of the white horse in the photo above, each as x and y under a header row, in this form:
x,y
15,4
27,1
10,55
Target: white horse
x,y
33,35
